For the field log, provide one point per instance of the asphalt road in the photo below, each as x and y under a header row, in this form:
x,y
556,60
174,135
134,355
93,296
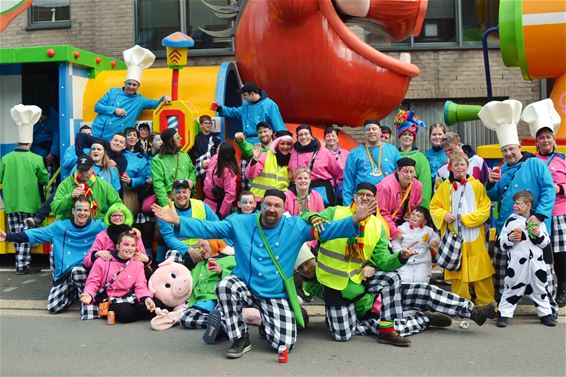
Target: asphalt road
x,y
34,343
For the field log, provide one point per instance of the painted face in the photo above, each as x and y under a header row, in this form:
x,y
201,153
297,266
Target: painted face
x,y
545,142
97,153
303,181
407,139
272,209
264,135
417,219
304,137
308,269
157,142
205,127
247,204
373,134
84,175
363,197
131,87
331,140
144,132
450,149
459,169
285,147
521,208
511,154
205,249
132,139
118,143
181,197
406,175
436,137
126,248
81,213
117,218
177,139
385,137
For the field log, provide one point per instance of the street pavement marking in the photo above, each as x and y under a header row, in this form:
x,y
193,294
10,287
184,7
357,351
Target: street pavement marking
x,y
28,281
9,289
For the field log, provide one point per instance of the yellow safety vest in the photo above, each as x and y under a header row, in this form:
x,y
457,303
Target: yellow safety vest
x,y
198,213
272,177
333,269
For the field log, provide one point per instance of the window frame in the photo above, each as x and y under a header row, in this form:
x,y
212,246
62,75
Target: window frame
x,y
62,24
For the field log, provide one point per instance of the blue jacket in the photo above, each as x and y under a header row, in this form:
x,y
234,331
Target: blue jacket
x,y
253,264
172,239
107,123
70,243
530,174
69,160
264,110
436,160
138,168
358,168
46,135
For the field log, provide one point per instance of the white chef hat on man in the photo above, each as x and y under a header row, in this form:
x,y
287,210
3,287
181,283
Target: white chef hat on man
x,y
137,59
502,117
540,115
25,116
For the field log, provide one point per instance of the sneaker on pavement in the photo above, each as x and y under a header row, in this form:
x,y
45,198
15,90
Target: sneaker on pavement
x,y
239,347
548,321
439,319
502,322
28,271
393,338
213,327
481,313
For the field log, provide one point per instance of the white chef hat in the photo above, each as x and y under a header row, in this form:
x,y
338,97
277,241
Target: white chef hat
x,y
541,114
25,117
304,255
137,59
502,117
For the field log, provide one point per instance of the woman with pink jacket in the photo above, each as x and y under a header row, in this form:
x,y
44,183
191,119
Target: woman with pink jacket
x,y
307,152
118,219
220,183
122,273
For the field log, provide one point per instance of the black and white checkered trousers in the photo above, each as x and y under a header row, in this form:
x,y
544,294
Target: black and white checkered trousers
x,y
142,218
194,318
276,314
64,293
559,234
91,311
245,182
178,257
17,224
427,297
500,261
388,285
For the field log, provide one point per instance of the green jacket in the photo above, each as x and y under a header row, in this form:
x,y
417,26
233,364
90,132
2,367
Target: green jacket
x,y
165,170
247,149
422,173
381,258
21,173
103,192
204,281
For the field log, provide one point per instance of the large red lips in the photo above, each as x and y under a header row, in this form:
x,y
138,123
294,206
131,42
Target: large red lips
x,y
315,68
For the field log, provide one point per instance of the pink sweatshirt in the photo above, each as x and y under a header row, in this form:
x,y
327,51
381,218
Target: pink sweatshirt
x,y
132,276
340,155
389,200
325,165
557,168
227,182
103,242
292,202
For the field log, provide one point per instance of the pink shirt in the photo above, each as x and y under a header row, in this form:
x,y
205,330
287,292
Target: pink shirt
x,y
103,242
557,168
227,182
340,155
389,200
315,202
132,276
325,165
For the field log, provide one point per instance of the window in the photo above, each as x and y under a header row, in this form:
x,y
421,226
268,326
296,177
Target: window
x,y
447,24
155,19
49,14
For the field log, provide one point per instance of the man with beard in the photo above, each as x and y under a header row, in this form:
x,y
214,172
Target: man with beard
x,y
265,136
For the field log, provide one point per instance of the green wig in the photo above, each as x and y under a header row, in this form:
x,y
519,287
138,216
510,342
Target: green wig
x,y
129,217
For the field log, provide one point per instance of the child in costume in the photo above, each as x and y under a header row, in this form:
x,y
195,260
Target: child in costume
x,y
423,240
526,271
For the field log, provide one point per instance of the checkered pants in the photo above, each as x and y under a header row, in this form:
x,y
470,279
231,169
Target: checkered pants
x,y
559,234
23,250
142,218
245,182
500,261
276,314
388,285
175,254
91,311
194,318
427,297
65,292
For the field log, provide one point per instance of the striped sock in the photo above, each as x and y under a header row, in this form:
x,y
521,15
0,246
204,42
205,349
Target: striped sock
x,y
386,326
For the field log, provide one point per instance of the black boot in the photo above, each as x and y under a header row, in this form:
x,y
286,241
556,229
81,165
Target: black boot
x,y
561,296
239,347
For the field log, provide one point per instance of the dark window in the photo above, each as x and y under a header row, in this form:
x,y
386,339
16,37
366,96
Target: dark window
x,y
49,14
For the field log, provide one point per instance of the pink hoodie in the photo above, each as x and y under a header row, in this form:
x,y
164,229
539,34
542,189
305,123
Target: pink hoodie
x,y
325,165
103,242
227,182
292,203
557,168
132,276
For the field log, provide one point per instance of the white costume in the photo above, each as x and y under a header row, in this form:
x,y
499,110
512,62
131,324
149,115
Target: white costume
x,y
418,268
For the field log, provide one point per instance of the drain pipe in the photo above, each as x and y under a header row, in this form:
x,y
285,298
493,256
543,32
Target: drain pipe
x,y
486,60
